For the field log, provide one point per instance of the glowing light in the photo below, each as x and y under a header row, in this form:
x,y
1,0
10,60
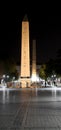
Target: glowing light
x,y
4,76
7,76
33,78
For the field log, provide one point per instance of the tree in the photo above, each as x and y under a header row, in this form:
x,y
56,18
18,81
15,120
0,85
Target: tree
x,y
2,69
43,73
10,68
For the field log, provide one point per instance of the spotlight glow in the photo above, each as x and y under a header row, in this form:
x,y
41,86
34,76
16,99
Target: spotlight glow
x,y
33,78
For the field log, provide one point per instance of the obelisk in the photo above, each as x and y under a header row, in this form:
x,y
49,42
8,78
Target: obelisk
x,y
25,54
34,61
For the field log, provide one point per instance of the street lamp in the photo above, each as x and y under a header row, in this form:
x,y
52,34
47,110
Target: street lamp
x,y
53,78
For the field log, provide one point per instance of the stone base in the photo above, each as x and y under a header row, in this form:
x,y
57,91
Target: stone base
x,y
25,82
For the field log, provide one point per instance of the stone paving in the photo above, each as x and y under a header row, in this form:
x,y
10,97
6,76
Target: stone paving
x,y
29,109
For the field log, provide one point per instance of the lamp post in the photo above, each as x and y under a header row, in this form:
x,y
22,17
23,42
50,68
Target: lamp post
x,y
5,79
53,78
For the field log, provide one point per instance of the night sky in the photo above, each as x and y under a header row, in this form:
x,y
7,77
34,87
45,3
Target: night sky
x,y
44,24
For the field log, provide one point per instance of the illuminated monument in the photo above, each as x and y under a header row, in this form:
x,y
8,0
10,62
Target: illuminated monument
x,y
25,54
34,62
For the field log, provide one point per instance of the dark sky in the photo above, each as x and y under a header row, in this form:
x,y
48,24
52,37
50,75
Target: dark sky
x,y
44,24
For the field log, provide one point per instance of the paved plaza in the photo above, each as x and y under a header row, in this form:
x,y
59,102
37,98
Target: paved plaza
x,y
30,109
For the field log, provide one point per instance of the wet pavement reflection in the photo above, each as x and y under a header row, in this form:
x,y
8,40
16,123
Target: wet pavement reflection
x,y
30,109
22,95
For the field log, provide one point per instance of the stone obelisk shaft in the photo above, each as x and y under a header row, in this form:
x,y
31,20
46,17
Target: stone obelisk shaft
x,y
25,54
34,61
